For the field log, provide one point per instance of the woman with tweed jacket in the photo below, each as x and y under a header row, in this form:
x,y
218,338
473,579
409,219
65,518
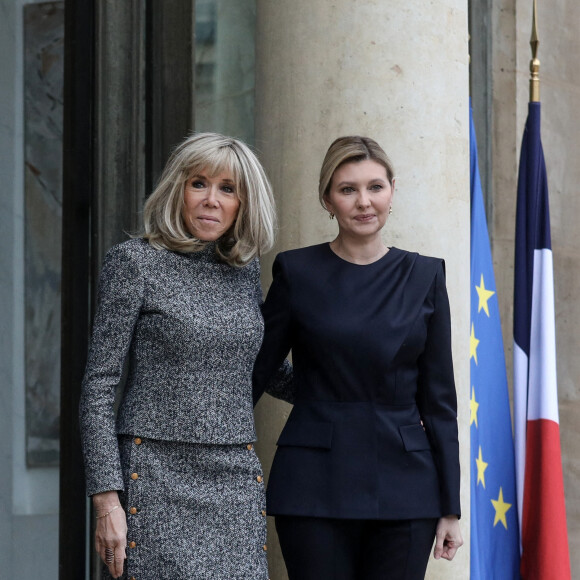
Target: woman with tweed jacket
x,y
174,478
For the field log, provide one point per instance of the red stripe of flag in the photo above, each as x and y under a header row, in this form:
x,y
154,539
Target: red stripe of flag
x,y
545,547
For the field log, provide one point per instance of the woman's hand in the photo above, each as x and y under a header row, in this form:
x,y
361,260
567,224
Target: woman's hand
x,y
447,538
111,533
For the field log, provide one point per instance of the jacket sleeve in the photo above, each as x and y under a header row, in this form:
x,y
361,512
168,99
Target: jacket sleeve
x,y
437,399
121,290
272,373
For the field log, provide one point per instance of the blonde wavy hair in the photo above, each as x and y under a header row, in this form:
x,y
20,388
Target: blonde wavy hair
x,y
251,235
350,149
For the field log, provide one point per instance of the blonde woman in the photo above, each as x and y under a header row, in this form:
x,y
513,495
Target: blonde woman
x,y
366,475
174,478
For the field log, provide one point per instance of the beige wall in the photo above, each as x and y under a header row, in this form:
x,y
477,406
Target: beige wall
x,y
377,69
560,95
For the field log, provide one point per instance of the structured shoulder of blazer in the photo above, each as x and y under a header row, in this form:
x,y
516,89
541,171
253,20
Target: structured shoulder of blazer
x,y
431,260
426,259
436,264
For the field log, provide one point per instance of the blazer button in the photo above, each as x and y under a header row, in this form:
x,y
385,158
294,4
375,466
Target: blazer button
x,y
259,479
265,547
137,440
133,510
263,512
249,446
132,544
134,476
132,578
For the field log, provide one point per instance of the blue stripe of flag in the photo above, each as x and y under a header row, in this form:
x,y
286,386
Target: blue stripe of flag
x,y
532,223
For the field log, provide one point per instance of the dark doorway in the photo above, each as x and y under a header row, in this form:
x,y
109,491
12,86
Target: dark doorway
x,y
128,99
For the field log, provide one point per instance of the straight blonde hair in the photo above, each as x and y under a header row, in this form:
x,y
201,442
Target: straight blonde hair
x,y
350,149
252,233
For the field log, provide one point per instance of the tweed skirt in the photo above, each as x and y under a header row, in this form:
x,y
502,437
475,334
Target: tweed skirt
x,y
194,511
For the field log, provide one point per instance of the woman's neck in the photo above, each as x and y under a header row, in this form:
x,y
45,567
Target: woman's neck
x,y
359,251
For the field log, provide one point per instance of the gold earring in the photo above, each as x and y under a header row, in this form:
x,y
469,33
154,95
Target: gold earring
x,y
330,215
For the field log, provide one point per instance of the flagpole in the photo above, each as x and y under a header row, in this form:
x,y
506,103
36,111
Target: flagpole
x,y
540,478
534,63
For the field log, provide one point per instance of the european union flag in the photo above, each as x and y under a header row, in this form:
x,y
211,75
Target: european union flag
x,y
495,552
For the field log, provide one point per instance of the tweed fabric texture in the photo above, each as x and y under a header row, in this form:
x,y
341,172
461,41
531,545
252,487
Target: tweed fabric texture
x,y
188,327
199,511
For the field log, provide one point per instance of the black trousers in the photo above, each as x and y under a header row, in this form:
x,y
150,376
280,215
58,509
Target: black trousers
x,y
333,549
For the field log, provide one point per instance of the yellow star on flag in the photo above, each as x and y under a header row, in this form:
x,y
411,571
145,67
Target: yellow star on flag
x,y
481,467
473,406
484,295
501,508
473,342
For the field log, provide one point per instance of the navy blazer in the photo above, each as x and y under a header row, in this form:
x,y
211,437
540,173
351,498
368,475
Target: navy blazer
x,y
373,430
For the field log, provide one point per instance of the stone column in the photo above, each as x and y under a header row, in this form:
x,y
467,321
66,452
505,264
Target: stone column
x,y
397,72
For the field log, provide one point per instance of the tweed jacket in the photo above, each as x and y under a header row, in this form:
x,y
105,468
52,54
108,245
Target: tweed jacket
x,y
373,430
186,329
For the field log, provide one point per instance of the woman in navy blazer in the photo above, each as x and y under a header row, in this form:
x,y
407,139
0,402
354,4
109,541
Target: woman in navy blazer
x,y
366,474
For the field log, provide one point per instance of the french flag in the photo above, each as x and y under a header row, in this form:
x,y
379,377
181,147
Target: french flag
x,y
540,484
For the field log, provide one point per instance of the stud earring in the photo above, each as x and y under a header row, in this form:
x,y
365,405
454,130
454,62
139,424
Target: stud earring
x,y
330,215
390,209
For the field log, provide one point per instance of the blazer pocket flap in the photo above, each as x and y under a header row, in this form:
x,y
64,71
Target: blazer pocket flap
x,y
306,434
414,438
